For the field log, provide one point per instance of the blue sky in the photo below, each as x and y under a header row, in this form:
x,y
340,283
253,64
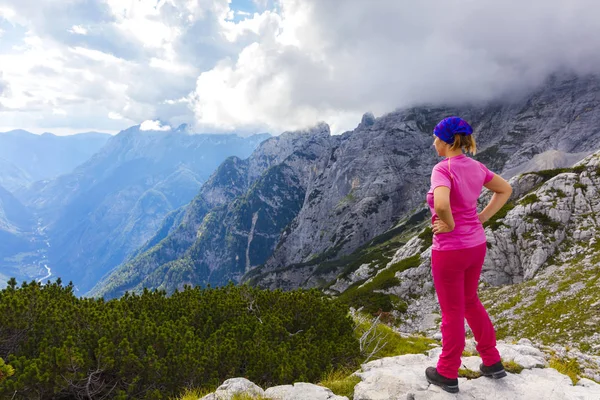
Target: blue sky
x,y
272,65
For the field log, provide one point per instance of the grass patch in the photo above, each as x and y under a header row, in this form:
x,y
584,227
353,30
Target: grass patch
x,y
548,174
427,237
366,296
536,304
529,199
566,366
341,382
193,394
544,220
469,374
558,193
396,345
494,222
512,367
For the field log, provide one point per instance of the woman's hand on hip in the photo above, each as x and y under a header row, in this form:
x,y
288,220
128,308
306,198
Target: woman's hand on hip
x,y
440,226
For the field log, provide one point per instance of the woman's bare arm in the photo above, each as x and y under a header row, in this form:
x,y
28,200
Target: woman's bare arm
x,y
502,191
441,205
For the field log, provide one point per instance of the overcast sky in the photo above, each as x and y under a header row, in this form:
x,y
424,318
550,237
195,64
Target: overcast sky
x,y
272,65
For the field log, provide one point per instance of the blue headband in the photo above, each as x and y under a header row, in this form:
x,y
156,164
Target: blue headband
x,y
451,126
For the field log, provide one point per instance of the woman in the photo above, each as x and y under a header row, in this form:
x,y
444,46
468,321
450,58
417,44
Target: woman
x,y
458,251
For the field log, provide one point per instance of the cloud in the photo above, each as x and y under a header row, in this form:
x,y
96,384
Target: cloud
x,y
328,59
3,86
114,115
150,125
79,30
281,65
98,57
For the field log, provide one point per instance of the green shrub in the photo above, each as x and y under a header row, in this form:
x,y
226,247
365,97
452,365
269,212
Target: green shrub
x,y
493,222
529,199
372,301
544,220
150,346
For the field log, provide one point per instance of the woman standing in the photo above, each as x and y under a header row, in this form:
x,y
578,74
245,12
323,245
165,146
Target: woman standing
x,y
458,251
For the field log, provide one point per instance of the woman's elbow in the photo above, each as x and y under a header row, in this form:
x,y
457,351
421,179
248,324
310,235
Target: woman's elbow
x,y
441,208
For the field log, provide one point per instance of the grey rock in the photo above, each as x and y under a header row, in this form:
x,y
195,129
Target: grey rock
x,y
234,386
404,377
301,391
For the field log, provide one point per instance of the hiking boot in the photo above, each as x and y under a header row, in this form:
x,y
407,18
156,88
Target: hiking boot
x,y
449,385
495,371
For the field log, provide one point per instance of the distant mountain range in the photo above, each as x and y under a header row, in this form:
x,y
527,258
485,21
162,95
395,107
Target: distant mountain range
x,y
26,157
93,217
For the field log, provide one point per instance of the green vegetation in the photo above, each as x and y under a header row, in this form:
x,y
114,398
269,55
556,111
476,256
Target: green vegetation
x,y
530,309
558,193
194,394
341,382
366,296
544,220
566,366
494,222
512,367
548,174
150,346
529,199
469,374
397,345
6,371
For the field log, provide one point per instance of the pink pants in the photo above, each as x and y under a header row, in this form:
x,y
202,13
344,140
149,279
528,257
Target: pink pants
x,y
456,277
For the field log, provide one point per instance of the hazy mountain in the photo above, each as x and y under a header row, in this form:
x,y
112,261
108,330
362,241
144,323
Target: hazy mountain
x,y
26,157
113,203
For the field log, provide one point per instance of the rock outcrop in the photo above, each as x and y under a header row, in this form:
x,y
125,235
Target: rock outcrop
x,y
403,377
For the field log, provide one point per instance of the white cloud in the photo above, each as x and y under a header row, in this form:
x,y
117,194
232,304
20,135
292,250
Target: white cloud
x,y
150,125
283,65
330,59
78,29
7,12
100,59
58,111
114,115
96,55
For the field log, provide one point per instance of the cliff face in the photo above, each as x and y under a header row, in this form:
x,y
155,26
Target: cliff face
x,y
380,172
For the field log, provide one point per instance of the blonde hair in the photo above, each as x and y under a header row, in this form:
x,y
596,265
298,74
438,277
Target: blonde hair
x,y
466,142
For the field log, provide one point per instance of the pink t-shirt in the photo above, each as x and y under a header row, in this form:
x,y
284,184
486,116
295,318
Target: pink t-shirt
x,y
465,177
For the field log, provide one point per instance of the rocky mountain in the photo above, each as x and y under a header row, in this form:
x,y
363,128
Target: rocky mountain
x,y
381,171
26,157
15,221
234,222
365,184
113,203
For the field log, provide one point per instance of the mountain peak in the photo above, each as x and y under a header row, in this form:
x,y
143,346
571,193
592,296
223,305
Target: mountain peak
x,y
21,132
368,119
